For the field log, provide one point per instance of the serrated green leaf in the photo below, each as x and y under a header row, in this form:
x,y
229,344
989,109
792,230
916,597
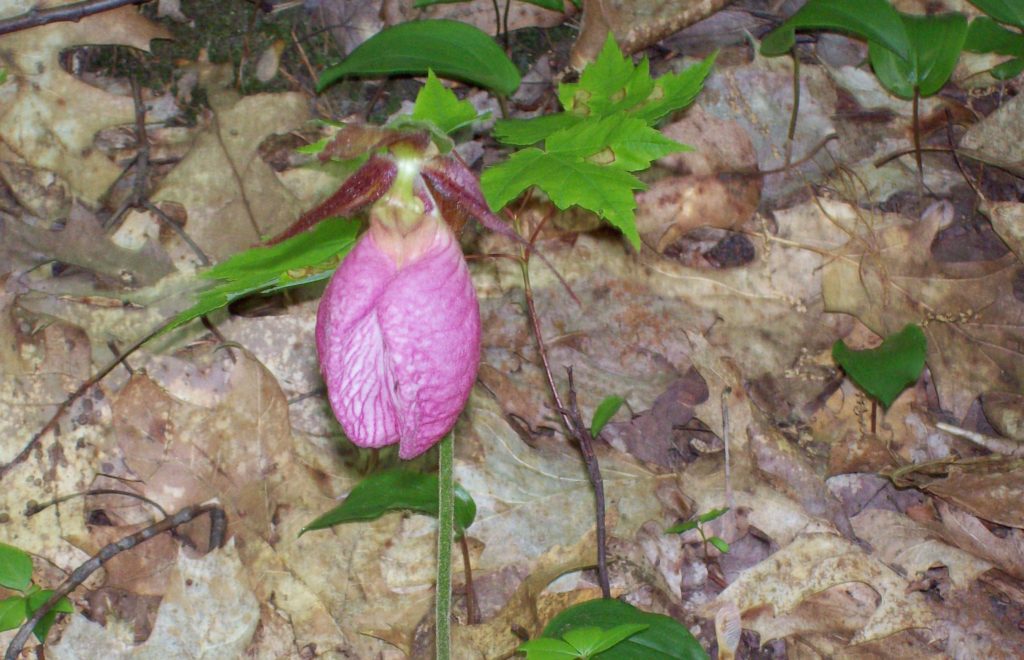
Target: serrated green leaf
x,y
453,49
617,141
608,84
674,91
524,132
603,414
13,612
886,371
663,639
15,568
548,649
873,20
719,544
438,104
567,181
1010,12
396,489
935,45
264,269
35,601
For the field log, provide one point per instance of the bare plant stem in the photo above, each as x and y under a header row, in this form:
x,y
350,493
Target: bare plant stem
x,y
791,133
917,135
218,529
574,426
445,525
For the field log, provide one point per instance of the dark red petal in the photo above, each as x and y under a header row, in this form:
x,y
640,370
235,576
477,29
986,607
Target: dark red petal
x,y
364,187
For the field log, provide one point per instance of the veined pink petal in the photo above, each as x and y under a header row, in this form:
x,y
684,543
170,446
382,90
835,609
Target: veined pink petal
x,y
399,346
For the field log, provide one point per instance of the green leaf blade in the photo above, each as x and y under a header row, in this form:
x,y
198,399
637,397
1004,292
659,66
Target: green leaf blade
x,y
872,20
15,568
675,91
35,601
397,489
13,612
451,48
603,414
663,639
264,269
1010,12
886,371
548,649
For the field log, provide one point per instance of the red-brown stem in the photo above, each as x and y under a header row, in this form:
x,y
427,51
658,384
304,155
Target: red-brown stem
x,y
472,616
574,426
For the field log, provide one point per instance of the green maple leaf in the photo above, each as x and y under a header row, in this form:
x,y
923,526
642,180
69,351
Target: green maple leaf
x,y
618,140
568,181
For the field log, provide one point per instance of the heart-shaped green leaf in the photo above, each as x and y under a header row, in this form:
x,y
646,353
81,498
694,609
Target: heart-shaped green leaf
x,y
663,639
885,371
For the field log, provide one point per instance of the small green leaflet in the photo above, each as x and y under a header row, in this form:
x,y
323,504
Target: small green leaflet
x,y
603,414
568,181
271,269
35,601
452,49
697,521
662,638
608,84
13,612
584,642
396,489
438,104
886,371
985,35
618,140
15,568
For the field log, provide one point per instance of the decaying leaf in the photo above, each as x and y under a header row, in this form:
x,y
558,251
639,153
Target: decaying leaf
x,y
49,117
886,277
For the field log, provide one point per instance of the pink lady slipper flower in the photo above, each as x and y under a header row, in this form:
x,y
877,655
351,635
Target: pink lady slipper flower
x,y
398,328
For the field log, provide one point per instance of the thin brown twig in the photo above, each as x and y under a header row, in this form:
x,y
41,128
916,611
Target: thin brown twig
x,y
573,423
33,509
73,12
472,615
956,156
218,529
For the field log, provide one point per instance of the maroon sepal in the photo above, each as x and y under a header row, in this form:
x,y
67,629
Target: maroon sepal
x,y
364,187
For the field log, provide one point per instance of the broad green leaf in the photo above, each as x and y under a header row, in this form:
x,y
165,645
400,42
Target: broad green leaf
x,y
719,543
1008,70
524,132
13,612
452,49
712,515
1010,12
610,83
591,640
872,20
935,45
438,104
548,649
35,601
616,141
396,489
986,36
267,269
607,191
663,639
674,91
15,568
603,414
886,371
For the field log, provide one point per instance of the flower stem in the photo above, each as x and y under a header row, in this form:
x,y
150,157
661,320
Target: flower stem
x,y
445,524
